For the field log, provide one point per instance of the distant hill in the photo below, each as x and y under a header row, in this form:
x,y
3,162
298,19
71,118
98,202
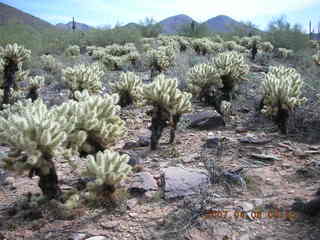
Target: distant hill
x,y
172,25
79,26
222,23
11,15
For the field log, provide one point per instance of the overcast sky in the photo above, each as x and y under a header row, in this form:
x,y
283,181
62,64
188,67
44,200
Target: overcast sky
x,y
109,12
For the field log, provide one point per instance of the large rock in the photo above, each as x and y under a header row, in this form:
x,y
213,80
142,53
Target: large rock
x,y
206,120
180,182
143,182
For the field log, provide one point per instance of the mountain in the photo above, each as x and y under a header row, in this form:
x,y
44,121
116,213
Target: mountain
x,y
222,23
11,15
79,26
173,24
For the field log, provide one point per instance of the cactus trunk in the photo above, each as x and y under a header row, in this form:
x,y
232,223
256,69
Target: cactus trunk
x,y
175,120
48,182
9,80
158,123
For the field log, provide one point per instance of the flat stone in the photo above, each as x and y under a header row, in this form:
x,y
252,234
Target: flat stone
x,y
97,238
254,139
265,157
206,120
143,182
180,182
78,236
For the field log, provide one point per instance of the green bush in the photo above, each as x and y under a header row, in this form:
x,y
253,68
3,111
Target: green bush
x,y
283,35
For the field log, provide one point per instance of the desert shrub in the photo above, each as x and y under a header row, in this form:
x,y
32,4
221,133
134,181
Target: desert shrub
x,y
72,51
282,94
194,30
282,34
83,77
168,102
116,35
149,28
129,88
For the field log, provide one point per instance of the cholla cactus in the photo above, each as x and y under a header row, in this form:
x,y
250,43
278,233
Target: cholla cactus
x,y
12,57
201,79
113,62
314,44
266,47
159,60
168,102
50,64
72,51
231,68
108,168
230,45
202,46
1,65
129,88
98,53
96,121
118,50
35,136
282,90
34,84
133,57
83,77
217,47
284,53
91,49
316,58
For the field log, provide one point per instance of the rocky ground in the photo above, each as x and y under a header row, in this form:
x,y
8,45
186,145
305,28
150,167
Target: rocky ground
x,y
256,171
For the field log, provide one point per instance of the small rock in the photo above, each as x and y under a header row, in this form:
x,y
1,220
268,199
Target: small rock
x,y
241,130
97,238
143,141
190,158
244,237
258,202
10,181
109,224
133,215
180,182
265,157
78,236
134,159
130,145
142,182
131,203
150,195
